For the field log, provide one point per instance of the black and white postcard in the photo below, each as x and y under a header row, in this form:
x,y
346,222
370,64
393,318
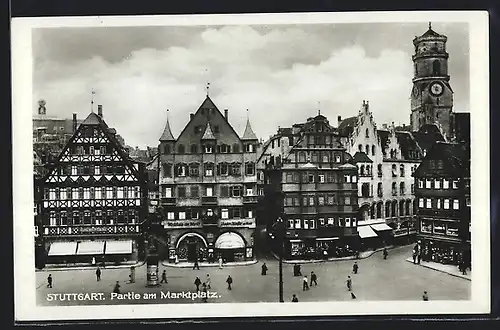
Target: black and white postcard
x,y
251,165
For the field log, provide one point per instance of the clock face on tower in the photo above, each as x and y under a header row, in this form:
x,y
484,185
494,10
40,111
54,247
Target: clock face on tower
x,y
436,88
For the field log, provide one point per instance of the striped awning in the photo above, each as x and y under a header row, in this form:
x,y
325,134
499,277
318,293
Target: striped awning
x,y
86,248
62,249
381,227
118,247
229,241
366,232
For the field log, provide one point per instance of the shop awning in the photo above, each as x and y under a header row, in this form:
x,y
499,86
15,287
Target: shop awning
x,y
326,238
381,227
118,247
62,249
229,241
90,248
366,232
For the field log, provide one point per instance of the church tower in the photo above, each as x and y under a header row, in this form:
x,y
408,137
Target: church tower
x,y
431,96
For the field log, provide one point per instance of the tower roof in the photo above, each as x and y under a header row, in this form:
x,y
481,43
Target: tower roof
x,y
430,34
208,135
249,134
167,133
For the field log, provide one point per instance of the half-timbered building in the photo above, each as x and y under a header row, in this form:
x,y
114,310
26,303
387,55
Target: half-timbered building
x,y
92,201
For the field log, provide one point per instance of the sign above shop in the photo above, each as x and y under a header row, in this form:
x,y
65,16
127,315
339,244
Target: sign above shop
x,y
247,223
181,224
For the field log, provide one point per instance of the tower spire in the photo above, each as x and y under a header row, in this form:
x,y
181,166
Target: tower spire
x,y
208,88
430,25
92,101
319,108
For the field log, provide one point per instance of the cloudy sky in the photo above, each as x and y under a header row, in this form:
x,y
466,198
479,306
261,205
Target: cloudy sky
x,y
281,74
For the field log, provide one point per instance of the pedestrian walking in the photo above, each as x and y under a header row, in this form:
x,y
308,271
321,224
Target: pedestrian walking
x,y
425,296
164,277
305,285
205,293
196,266
353,296
49,281
229,281
116,289
295,299
385,253
208,282
98,274
197,282
355,268
349,283
314,279
264,269
220,262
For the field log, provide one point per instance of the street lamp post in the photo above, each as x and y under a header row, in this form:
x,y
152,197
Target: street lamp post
x,y
281,237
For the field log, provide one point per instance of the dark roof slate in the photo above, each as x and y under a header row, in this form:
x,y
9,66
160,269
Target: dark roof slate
x,y
361,157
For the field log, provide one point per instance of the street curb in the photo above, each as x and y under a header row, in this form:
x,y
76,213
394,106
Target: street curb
x,y
57,269
246,263
440,270
314,261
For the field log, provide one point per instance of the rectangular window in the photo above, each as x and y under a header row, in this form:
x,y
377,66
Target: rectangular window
x,y
354,179
421,202
437,184
224,169
290,224
236,191
439,228
446,184
297,223
456,204
455,184
321,200
225,214
224,191
181,192
208,149
237,213
347,200
321,221
311,201
446,204
249,169
167,192
74,170
194,214
348,222
115,192
331,221
321,178
347,178
195,191
428,203
182,215
86,193
438,204
331,200
250,214
209,191
170,215
209,169
337,158
306,224
420,183
428,184
426,226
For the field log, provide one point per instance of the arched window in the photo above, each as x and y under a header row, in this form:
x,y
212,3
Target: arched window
x,y
302,157
408,202
368,170
367,133
387,209
380,190
394,189
401,208
379,211
362,170
402,188
360,148
181,149
436,68
372,211
415,206
379,170
394,208
373,150
367,150
194,149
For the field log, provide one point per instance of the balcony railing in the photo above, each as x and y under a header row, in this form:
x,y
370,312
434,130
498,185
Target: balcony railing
x,y
209,200
250,199
168,200
93,229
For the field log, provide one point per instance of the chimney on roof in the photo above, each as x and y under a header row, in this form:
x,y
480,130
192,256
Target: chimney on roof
x,y
99,110
75,123
226,113
191,116
339,119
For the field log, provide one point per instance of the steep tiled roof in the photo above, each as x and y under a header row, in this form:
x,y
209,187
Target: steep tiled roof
x,y
427,136
457,157
346,126
249,134
167,133
361,157
409,147
208,135
92,119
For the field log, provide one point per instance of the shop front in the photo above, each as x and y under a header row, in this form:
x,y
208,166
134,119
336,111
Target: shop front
x,y
319,248
448,253
384,232
368,238
231,247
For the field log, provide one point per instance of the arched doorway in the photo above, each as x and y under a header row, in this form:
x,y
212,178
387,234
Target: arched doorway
x,y
191,246
364,212
379,210
230,246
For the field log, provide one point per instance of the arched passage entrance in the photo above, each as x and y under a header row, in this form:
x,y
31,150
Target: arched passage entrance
x,y
364,212
190,246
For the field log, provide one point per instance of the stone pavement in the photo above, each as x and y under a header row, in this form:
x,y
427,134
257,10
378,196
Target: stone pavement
x,y
448,269
362,255
209,264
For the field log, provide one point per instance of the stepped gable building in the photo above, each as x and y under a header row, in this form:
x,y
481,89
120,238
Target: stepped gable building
x,y
443,195
310,181
92,201
386,159
208,189
431,95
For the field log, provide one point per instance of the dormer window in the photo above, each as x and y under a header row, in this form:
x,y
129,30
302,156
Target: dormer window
x,y
249,148
209,149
